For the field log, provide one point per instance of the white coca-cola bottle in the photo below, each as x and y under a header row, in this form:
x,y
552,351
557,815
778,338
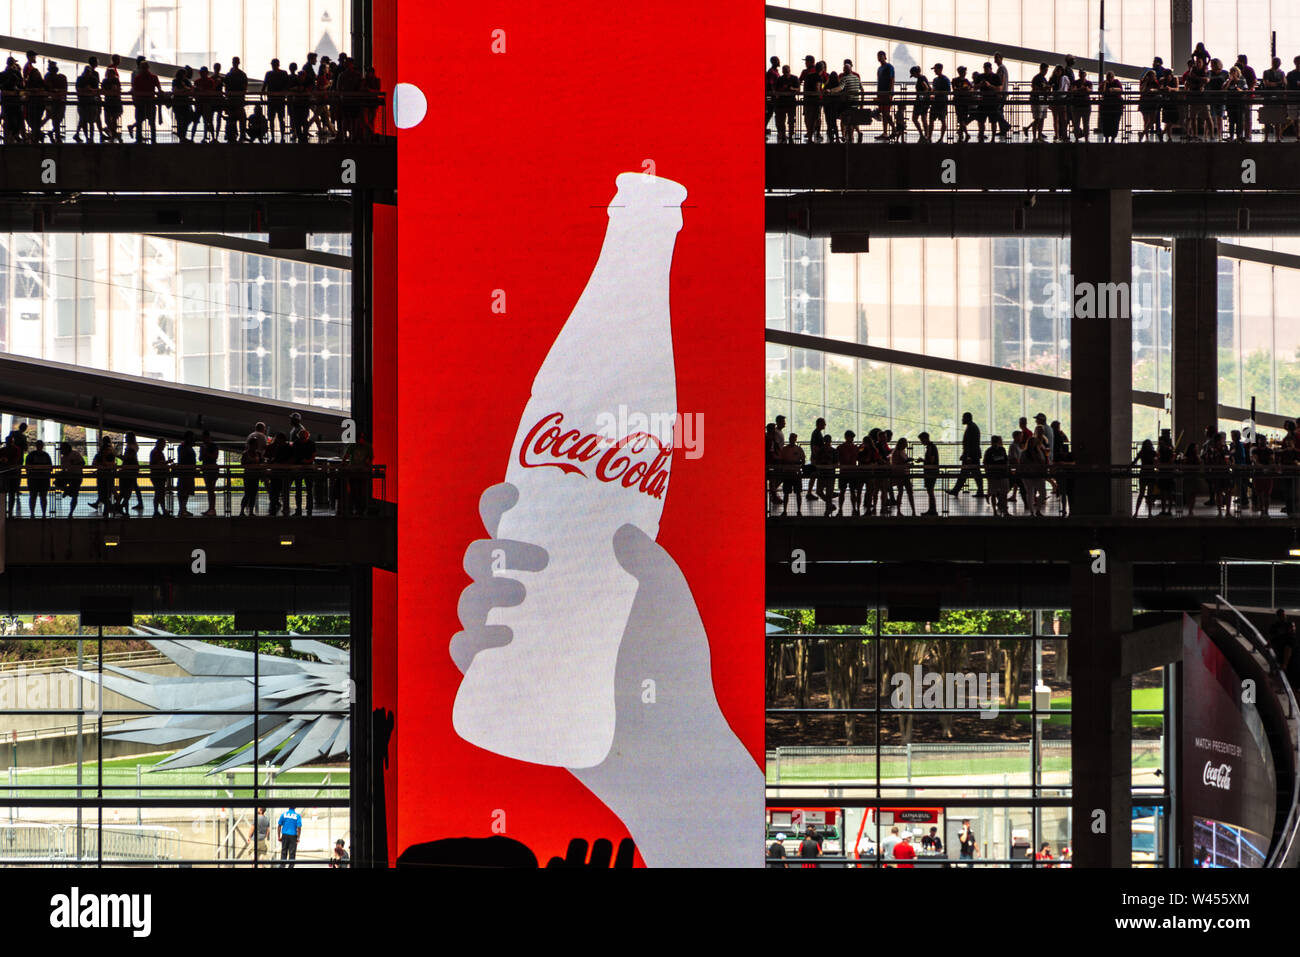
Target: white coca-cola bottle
x,y
592,453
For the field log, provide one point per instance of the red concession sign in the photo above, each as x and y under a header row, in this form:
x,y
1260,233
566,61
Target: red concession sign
x,y
580,262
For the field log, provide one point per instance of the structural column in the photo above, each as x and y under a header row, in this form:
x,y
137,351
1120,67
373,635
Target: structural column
x,y
1196,334
1101,346
1101,724
1180,34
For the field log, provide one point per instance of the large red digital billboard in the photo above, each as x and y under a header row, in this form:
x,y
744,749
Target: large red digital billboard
x,y
580,547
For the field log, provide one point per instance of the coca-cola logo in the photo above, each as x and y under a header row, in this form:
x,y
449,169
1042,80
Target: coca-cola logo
x,y
1217,777
639,460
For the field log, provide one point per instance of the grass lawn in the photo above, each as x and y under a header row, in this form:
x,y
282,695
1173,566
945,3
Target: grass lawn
x,y
120,773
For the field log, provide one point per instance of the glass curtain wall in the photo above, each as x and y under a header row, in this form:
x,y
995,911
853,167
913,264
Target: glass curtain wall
x,y
131,750
180,32
181,312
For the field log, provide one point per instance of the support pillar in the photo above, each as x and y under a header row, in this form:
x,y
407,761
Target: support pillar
x,y
1101,724
1196,336
1101,347
1180,35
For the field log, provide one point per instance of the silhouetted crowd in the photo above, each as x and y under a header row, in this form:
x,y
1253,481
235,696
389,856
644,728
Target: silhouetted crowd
x,y
285,465
1207,102
1224,471
330,100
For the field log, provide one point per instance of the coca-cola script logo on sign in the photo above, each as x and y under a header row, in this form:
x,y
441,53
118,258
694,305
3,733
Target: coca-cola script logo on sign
x,y
639,460
1217,777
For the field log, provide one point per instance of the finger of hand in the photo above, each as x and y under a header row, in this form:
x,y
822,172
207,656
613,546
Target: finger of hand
x,y
626,854
482,596
487,556
495,501
601,852
577,855
466,644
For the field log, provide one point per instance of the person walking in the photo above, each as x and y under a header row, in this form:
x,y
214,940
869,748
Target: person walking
x,y
970,457
128,476
105,466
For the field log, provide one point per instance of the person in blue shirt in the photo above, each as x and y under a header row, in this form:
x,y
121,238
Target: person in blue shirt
x,y
289,830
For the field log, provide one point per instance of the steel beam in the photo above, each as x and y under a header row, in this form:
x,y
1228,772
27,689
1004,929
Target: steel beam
x,y
369,541
967,213
199,168
254,247
185,213
74,395
1195,167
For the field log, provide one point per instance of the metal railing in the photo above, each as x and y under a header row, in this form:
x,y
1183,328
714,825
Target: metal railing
x,y
1168,491
148,657
317,116
1025,115
316,490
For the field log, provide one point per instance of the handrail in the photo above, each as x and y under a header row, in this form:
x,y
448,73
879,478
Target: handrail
x,y
329,487
41,664
1286,840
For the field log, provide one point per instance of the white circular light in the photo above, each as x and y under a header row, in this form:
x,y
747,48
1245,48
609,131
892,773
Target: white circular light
x,y
409,105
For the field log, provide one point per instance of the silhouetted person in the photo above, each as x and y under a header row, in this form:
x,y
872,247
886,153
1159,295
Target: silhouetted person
x,y
303,457
34,84
258,129
276,86
236,89
112,90
970,457
11,463
145,90
72,468
183,103
88,103
56,105
39,470
11,102
105,466
186,460
160,477
205,101
128,476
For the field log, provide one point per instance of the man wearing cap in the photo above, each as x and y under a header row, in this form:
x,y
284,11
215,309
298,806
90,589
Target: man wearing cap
x,y
776,853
